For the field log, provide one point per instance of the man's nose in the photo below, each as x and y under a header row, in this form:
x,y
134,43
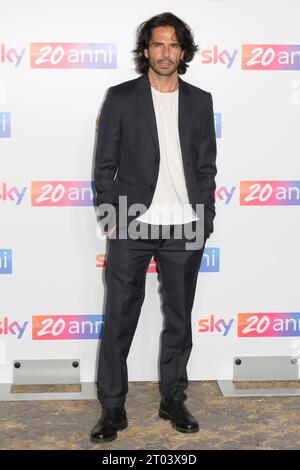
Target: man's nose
x,y
166,51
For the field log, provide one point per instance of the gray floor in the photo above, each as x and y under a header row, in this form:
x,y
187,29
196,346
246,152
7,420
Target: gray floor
x,y
225,423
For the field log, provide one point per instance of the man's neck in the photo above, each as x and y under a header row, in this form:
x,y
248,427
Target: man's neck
x,y
163,84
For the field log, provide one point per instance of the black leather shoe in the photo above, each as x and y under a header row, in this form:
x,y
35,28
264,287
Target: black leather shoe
x,y
181,418
111,420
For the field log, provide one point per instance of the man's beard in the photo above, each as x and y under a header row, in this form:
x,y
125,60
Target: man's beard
x,y
167,72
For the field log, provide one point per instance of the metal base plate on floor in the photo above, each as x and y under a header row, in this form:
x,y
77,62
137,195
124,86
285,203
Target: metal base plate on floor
x,y
87,391
228,389
47,379
262,369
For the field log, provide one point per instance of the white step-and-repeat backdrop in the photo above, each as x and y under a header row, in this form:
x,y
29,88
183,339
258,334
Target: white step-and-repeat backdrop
x,y
57,59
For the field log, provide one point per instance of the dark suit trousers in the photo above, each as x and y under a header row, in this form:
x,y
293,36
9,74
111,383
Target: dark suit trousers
x,y
125,275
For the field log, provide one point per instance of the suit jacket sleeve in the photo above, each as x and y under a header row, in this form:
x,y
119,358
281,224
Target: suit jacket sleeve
x,y
206,165
108,151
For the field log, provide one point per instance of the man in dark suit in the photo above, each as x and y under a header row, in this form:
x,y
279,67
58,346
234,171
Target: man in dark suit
x,y
156,144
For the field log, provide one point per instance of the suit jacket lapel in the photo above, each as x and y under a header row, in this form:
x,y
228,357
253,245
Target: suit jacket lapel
x,y
184,113
148,112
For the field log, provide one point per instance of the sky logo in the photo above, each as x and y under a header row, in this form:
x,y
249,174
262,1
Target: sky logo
x,y
62,193
67,327
212,325
11,55
5,261
12,194
218,125
225,194
5,127
216,56
69,55
268,324
269,193
271,57
13,328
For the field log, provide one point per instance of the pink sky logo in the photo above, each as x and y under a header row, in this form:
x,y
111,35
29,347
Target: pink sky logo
x,y
67,327
269,193
225,194
11,55
263,325
215,325
69,55
62,193
14,328
217,56
11,193
271,57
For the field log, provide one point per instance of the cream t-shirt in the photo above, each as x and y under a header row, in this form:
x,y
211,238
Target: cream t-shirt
x,y
170,204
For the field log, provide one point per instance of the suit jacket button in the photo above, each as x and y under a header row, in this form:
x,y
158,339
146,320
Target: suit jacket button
x,y
152,186
156,160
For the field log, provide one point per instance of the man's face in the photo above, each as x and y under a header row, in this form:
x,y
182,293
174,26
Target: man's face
x,y
164,51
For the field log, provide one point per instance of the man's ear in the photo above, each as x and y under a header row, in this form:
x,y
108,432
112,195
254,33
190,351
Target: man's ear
x,y
146,53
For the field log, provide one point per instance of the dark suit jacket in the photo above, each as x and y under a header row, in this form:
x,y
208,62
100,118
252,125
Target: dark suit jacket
x,y
128,145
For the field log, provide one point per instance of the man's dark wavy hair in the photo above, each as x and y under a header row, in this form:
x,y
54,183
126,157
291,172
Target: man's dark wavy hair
x,y
183,33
